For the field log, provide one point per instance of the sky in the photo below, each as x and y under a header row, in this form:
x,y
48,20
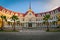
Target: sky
x,y
37,6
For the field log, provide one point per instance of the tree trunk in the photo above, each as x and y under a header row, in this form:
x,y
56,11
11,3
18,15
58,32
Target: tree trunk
x,y
14,26
47,26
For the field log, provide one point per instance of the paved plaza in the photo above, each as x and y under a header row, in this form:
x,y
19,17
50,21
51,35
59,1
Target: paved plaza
x,y
30,35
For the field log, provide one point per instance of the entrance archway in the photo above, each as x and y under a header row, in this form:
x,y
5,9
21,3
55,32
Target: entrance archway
x,y
29,24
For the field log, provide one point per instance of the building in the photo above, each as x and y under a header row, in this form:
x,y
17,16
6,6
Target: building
x,y
30,18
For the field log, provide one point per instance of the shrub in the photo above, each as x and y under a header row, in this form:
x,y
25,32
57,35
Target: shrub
x,y
58,26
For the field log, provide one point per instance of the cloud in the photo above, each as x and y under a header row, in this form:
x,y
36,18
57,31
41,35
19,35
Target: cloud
x,y
46,5
37,5
53,4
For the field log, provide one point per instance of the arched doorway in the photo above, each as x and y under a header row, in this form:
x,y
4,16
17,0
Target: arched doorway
x,y
29,24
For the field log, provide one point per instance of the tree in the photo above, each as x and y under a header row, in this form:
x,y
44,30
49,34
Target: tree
x,y
54,22
18,23
14,18
46,18
58,21
3,18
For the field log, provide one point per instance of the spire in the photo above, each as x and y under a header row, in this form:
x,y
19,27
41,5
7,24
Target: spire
x,y
30,5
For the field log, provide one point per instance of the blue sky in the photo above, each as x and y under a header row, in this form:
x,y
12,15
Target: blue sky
x,y
36,5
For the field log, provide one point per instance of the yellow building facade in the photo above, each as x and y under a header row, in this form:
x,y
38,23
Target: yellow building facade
x,y
30,18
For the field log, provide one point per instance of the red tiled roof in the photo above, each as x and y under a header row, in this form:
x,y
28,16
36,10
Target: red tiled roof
x,y
36,15
1,8
58,9
28,11
43,12
8,10
52,10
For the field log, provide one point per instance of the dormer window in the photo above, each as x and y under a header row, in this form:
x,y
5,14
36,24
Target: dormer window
x,y
30,14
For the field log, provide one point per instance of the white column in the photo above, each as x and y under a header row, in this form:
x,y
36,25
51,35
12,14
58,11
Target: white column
x,y
24,24
34,25
27,24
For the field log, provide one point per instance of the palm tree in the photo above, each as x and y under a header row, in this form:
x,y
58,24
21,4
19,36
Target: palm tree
x,y
54,22
46,18
14,18
58,18
58,21
18,23
3,18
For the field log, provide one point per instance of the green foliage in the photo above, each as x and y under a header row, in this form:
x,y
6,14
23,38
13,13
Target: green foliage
x,y
46,17
14,17
3,17
53,31
8,31
54,22
44,22
58,18
58,26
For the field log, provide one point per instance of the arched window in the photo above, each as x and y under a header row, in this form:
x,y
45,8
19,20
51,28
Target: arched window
x,y
29,13
23,19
